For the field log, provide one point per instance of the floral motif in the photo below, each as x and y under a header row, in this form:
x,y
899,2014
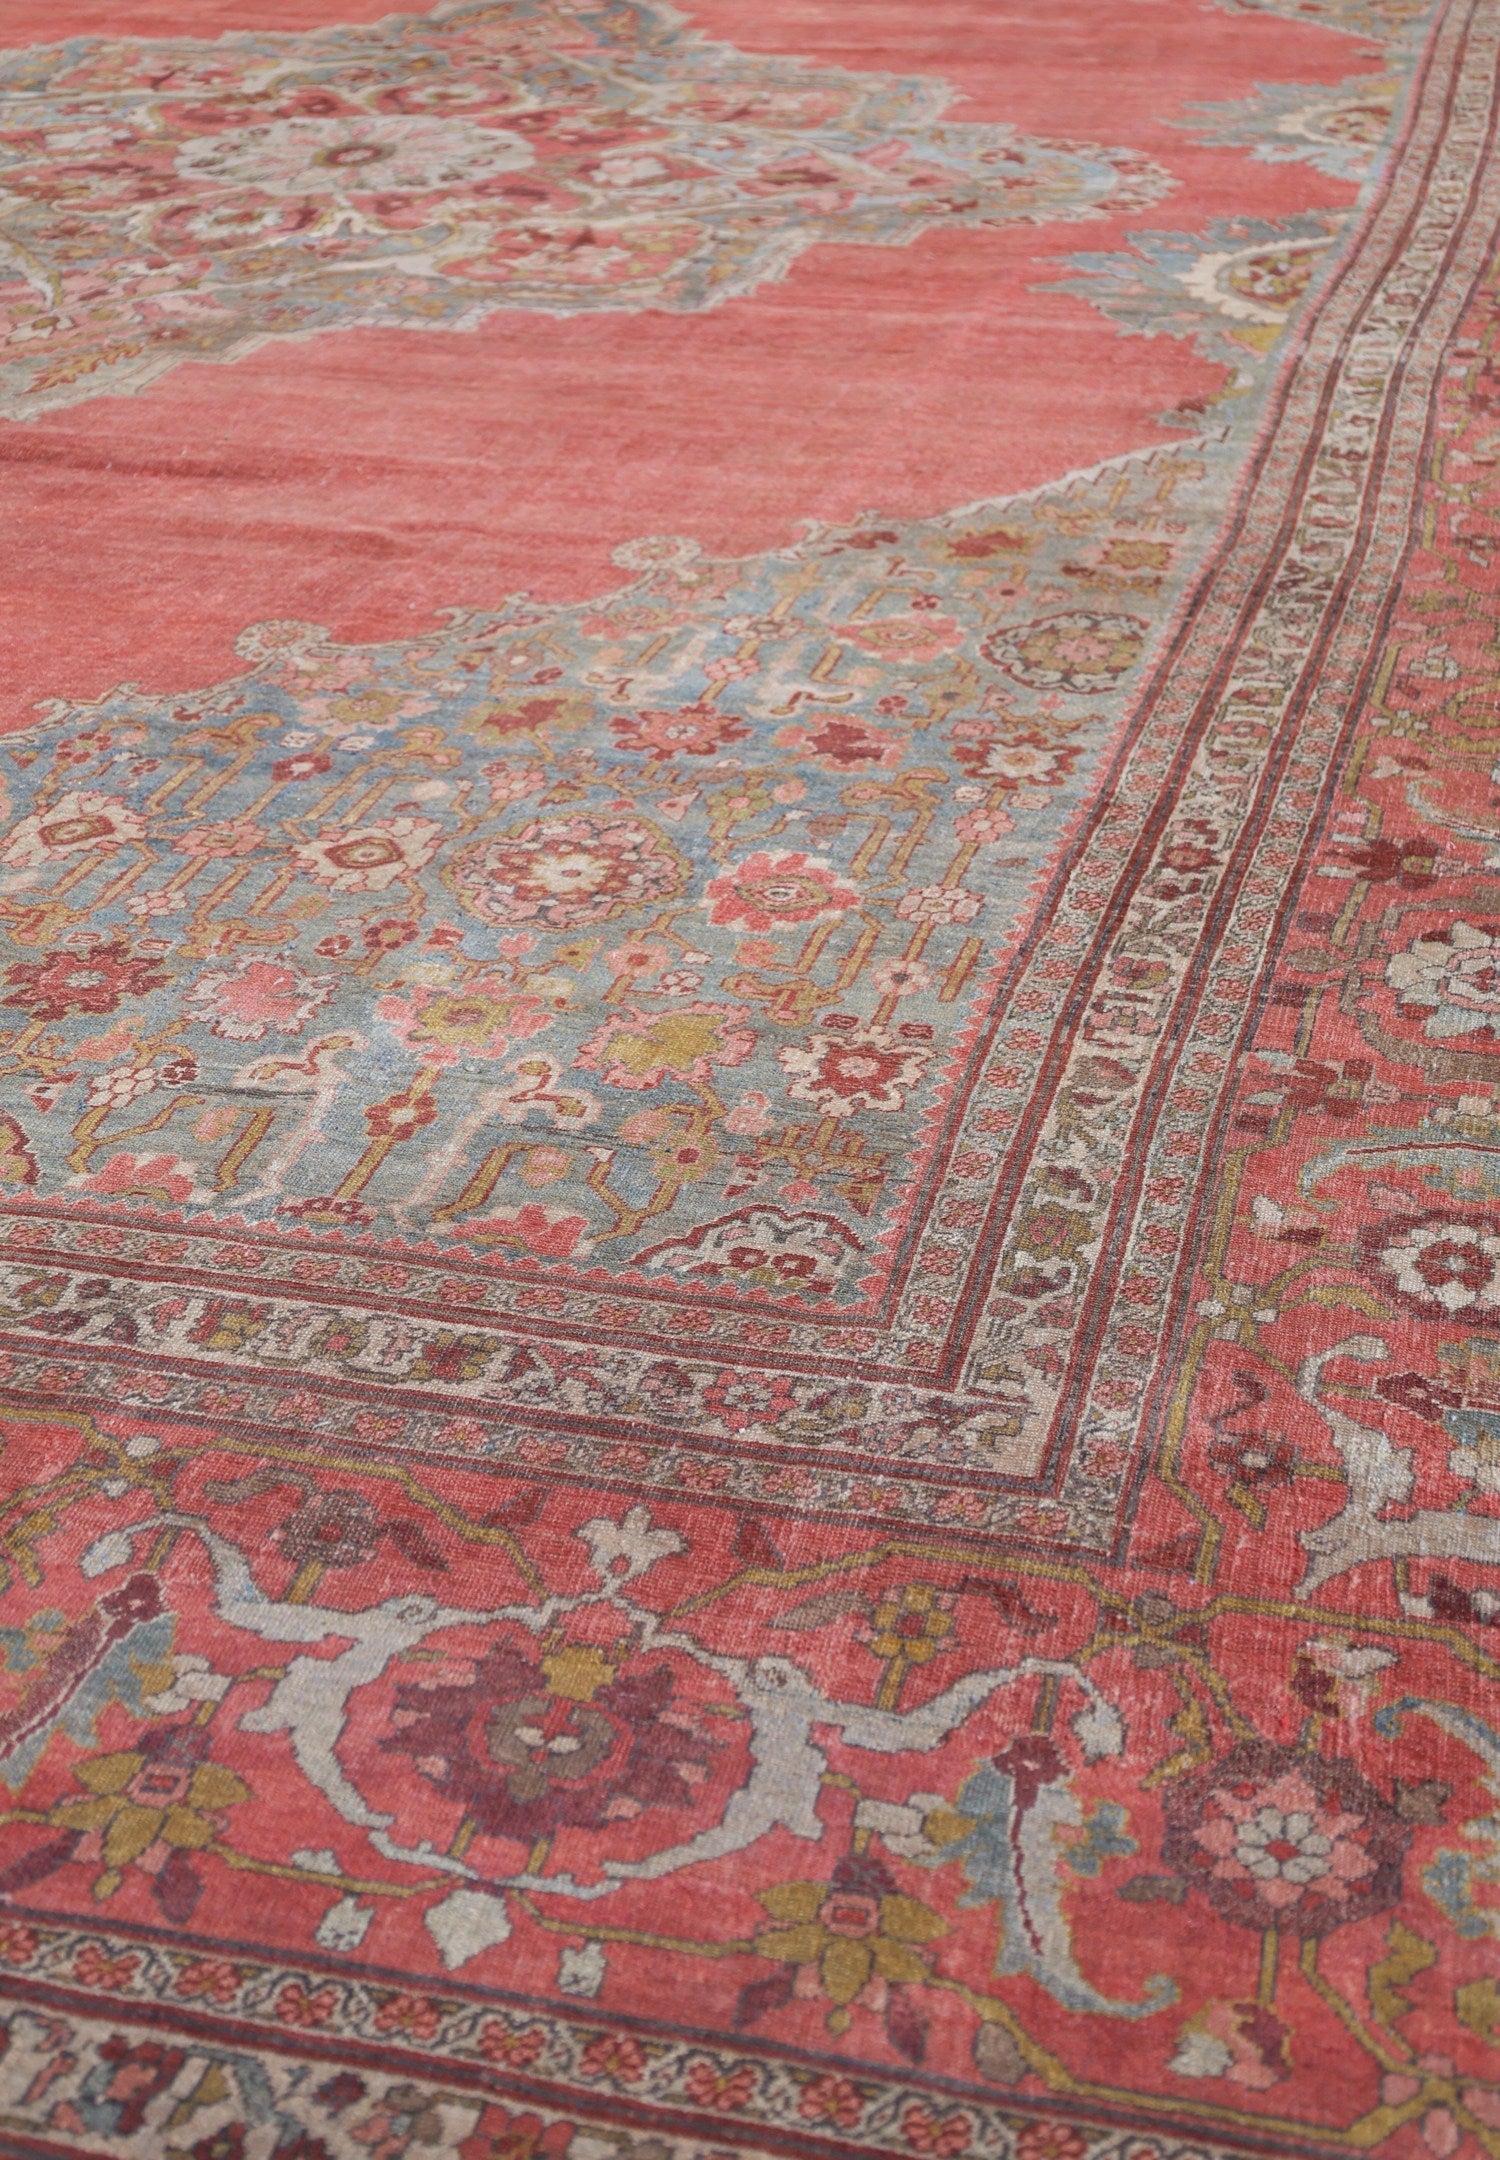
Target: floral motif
x,y
93,979
1447,1265
776,891
692,731
77,822
1453,981
643,1050
482,1020
851,1933
371,858
859,1068
567,872
913,1625
1078,651
243,1004
529,1744
149,1807
1277,1838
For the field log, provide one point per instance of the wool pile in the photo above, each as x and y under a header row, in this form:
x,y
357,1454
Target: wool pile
x,y
750,1013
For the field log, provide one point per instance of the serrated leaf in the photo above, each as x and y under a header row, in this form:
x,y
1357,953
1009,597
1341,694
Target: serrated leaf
x,y
1408,1956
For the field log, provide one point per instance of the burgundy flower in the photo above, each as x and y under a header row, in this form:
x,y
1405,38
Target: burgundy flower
x,y
1276,1837
532,1743
390,935
339,1528
306,765
92,981
1411,864
1253,1458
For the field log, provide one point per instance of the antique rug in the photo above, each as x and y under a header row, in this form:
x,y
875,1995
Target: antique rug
x,y
750,1150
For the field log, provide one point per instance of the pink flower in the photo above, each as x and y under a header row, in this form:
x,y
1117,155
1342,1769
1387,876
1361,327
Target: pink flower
x,y
165,1180
982,828
727,2091
95,1968
243,1004
942,2137
769,892
230,837
939,904
1050,2141
615,2056
295,2005
212,1979
833,2100
1283,1839
417,2015
497,2043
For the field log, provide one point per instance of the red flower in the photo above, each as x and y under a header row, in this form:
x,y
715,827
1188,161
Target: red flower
x,y
295,2006
94,1968
944,2136
725,2090
390,935
305,766
93,981
1050,2141
497,2043
531,1743
694,731
400,1117
614,2056
415,2014
213,1978
832,2100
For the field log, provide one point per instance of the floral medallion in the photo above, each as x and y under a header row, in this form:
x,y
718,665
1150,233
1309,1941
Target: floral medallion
x,y
178,200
